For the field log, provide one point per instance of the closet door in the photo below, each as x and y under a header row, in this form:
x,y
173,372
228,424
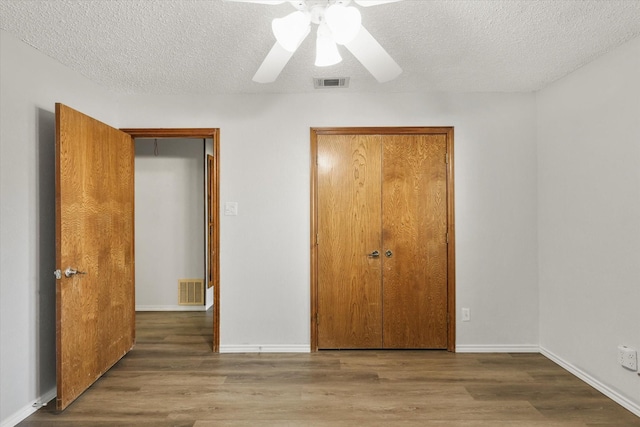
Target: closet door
x,y
349,293
382,266
414,221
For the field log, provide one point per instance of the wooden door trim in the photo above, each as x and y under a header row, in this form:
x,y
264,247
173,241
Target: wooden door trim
x,y
383,131
201,133
173,132
313,240
451,278
211,235
451,248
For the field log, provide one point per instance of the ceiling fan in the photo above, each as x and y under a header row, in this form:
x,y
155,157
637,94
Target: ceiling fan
x,y
338,24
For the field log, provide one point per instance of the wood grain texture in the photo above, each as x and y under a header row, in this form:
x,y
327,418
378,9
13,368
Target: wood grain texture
x,y
414,188
349,281
173,132
171,378
313,244
381,130
95,312
451,247
213,238
407,323
215,258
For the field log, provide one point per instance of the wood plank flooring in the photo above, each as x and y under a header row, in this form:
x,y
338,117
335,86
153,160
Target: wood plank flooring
x,y
172,378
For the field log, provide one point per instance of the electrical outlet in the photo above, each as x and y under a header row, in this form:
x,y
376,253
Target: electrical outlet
x,y
628,357
466,315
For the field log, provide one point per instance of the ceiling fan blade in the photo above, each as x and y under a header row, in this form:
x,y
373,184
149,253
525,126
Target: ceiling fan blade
x,y
367,3
273,64
373,56
259,1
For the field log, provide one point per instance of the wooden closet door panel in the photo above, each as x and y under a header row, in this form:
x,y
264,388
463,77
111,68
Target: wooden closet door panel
x,y
414,229
349,229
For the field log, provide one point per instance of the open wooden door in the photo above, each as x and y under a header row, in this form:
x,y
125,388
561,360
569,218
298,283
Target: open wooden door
x,y
95,307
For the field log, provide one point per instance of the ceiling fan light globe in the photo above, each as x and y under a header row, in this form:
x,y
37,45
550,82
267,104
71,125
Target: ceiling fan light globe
x,y
291,30
344,22
326,49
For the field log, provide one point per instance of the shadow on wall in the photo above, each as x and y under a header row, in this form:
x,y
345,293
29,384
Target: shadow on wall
x,y
46,257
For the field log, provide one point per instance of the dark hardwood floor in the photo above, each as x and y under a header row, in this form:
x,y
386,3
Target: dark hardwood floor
x,y
172,378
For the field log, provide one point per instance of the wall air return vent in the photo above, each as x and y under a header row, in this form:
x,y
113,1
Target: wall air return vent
x,y
326,83
190,292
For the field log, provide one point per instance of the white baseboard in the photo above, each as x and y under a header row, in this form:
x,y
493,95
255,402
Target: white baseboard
x,y
265,348
497,348
304,348
23,413
170,308
603,388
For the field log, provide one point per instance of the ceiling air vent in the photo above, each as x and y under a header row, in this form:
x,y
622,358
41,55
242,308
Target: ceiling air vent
x,y
325,83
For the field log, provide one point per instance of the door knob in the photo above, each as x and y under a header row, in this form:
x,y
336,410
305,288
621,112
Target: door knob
x,y
374,254
71,271
388,254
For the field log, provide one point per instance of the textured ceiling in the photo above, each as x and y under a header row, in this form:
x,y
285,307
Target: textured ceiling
x,y
203,47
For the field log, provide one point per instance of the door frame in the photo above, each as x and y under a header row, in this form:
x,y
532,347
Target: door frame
x,y
451,267
212,215
214,243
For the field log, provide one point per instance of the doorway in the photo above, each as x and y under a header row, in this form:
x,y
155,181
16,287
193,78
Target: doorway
x,y
95,258
210,227
382,252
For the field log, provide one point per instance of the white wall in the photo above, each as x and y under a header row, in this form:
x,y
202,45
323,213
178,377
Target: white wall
x,y
169,220
30,84
568,196
589,218
265,168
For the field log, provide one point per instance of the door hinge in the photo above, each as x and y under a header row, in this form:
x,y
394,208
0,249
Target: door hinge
x,y
446,158
447,238
317,319
317,238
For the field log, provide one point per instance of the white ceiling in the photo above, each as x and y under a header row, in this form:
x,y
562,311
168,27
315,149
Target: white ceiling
x,y
213,46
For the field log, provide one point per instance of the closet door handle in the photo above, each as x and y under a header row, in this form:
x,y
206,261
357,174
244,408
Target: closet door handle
x,y
388,254
374,254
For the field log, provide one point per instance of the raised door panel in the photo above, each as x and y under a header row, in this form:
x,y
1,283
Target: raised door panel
x,y
349,230
414,218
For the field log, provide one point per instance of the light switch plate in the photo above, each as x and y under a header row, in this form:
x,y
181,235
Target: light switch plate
x,y
231,208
